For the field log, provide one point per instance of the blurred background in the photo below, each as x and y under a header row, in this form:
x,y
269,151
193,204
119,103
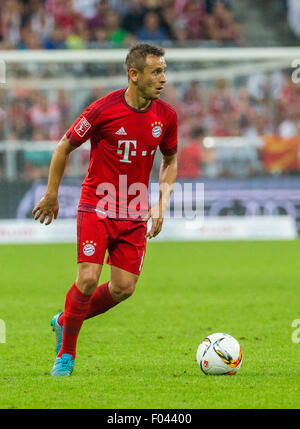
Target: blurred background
x,y
230,80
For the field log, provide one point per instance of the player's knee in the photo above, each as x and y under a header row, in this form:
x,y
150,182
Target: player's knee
x,y
88,283
122,291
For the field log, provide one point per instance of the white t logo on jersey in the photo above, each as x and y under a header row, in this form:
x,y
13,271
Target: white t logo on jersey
x,y
126,152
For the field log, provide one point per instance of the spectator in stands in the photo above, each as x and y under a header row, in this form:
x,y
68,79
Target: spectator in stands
x,y
259,124
99,18
63,103
152,30
79,36
289,95
244,109
42,23
11,21
209,5
66,16
257,86
28,40
115,34
19,119
192,101
180,33
86,8
44,114
119,6
233,124
99,38
191,156
221,24
220,98
133,19
57,129
290,126
37,162
196,21
170,22
170,95
57,39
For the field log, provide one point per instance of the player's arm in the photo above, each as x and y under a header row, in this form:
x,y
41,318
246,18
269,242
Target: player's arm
x,y
48,205
167,177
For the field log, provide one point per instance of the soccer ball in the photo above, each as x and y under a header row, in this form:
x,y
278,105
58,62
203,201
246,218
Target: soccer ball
x,y
219,354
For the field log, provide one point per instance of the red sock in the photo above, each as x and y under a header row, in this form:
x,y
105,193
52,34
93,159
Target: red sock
x,y
101,301
76,308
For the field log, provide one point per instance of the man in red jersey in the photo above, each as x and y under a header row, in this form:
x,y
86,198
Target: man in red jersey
x,y
125,129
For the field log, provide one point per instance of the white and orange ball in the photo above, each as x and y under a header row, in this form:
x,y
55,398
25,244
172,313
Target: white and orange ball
x,y
219,354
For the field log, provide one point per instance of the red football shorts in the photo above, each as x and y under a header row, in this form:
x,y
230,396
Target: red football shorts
x,y
124,239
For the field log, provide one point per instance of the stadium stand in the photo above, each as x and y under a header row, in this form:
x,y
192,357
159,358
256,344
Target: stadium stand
x,y
72,24
255,105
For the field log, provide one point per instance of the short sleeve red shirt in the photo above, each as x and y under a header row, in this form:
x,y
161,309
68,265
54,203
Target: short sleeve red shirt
x,y
124,141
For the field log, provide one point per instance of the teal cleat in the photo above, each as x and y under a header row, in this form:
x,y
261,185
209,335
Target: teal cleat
x,y
63,366
58,332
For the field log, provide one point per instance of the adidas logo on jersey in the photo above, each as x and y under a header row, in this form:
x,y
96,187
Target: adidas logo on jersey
x,y
121,132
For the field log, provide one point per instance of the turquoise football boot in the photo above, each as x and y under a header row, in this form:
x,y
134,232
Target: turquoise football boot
x,y
58,332
63,366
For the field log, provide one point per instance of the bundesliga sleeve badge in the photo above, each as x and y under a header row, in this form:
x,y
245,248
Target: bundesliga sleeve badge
x,y
82,127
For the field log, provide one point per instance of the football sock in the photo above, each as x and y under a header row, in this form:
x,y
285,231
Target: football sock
x,y
101,301
76,308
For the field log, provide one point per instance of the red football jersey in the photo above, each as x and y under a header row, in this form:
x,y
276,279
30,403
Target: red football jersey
x,y
124,141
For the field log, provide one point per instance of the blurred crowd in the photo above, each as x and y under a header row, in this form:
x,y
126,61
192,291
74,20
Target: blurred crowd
x,y
257,105
80,24
266,104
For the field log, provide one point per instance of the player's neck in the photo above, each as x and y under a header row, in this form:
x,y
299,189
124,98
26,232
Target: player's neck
x,y
135,99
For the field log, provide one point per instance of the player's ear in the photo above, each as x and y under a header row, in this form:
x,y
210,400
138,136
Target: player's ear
x,y
133,74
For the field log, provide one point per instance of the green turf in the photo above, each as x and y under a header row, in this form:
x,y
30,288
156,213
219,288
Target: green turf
x,y
142,353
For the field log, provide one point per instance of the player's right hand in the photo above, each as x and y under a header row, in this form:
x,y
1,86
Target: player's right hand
x,y
46,207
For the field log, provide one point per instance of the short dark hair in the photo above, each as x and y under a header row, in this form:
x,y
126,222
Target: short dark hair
x,y
136,57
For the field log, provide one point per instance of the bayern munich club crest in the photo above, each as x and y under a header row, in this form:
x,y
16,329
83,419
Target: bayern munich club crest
x,y
156,129
89,248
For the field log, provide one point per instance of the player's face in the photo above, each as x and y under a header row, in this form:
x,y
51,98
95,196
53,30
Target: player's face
x,y
152,79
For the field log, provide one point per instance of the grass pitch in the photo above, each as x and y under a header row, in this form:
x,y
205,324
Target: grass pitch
x,y
142,353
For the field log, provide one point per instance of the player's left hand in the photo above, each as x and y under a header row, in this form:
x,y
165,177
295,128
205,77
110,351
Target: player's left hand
x,y
157,221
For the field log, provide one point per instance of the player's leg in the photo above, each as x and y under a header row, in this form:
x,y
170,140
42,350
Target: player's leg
x,y
121,286
76,309
101,299
77,305
127,247
109,294
122,283
126,257
92,243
